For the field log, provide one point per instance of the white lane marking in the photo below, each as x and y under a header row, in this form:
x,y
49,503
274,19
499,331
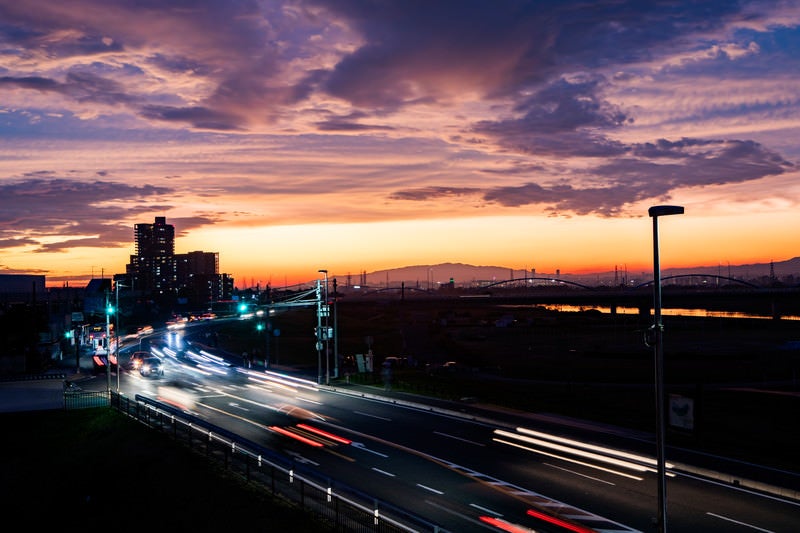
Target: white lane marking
x,y
360,446
458,438
456,513
751,526
373,416
309,400
384,472
536,499
739,488
300,459
484,509
429,488
551,465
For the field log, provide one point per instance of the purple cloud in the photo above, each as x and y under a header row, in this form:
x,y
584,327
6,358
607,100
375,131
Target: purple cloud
x,y
650,172
199,117
33,210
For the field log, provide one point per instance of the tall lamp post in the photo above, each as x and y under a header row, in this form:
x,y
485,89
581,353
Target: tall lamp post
x,y
325,313
658,329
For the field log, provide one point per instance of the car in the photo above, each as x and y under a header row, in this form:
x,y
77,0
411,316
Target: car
x,y
177,393
135,362
100,360
447,367
151,366
394,362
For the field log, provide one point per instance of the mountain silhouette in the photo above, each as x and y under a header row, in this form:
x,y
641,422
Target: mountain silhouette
x,y
434,276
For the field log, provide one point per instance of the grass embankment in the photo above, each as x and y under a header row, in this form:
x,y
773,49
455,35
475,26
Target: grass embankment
x,y
95,469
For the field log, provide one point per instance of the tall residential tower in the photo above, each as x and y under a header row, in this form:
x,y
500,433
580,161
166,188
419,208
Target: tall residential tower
x,y
153,267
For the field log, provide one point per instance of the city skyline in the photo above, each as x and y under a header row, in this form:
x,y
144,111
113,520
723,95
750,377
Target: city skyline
x,y
296,136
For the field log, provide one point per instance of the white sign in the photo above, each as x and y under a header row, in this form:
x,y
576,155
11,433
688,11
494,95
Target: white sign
x,y
681,412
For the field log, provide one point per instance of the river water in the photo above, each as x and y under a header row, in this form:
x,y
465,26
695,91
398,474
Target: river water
x,y
669,312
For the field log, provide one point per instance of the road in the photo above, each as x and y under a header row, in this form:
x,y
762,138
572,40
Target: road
x,y
490,471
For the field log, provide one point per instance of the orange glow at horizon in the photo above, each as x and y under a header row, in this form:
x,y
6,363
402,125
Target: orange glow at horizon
x,y
290,255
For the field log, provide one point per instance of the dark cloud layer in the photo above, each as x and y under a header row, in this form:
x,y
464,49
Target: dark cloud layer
x,y
649,171
31,210
199,117
501,47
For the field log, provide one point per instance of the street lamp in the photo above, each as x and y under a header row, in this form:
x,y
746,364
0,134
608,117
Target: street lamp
x,y
326,312
658,330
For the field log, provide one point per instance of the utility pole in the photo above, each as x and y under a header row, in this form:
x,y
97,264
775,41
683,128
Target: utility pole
x,y
116,330
78,339
268,331
108,345
325,311
335,334
319,335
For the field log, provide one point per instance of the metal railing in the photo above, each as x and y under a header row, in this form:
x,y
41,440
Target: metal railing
x,y
81,400
344,508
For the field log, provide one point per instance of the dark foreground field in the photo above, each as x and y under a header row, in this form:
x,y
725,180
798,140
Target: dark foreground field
x,y
97,470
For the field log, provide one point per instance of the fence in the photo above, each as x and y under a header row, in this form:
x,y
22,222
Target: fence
x,y
81,400
344,508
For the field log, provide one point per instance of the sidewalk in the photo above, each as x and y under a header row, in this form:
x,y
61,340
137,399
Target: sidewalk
x,y
76,373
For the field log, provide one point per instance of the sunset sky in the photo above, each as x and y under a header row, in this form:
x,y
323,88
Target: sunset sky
x,y
357,135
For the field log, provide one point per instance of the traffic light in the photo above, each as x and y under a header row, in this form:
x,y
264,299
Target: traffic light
x,y
260,326
324,333
69,334
110,309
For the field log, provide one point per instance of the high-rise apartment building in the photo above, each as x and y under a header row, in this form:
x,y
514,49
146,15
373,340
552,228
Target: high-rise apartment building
x,y
153,268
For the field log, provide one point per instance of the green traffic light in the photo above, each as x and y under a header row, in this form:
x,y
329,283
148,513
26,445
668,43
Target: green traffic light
x,y
260,326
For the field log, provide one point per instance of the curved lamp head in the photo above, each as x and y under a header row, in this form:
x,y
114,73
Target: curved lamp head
x,y
663,210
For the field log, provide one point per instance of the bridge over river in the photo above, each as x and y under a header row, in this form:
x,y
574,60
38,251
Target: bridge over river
x,y
687,291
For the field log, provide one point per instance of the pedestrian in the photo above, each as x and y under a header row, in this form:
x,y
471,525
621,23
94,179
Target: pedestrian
x,y
245,359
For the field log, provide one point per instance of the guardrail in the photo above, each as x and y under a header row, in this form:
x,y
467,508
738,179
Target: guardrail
x,y
346,509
